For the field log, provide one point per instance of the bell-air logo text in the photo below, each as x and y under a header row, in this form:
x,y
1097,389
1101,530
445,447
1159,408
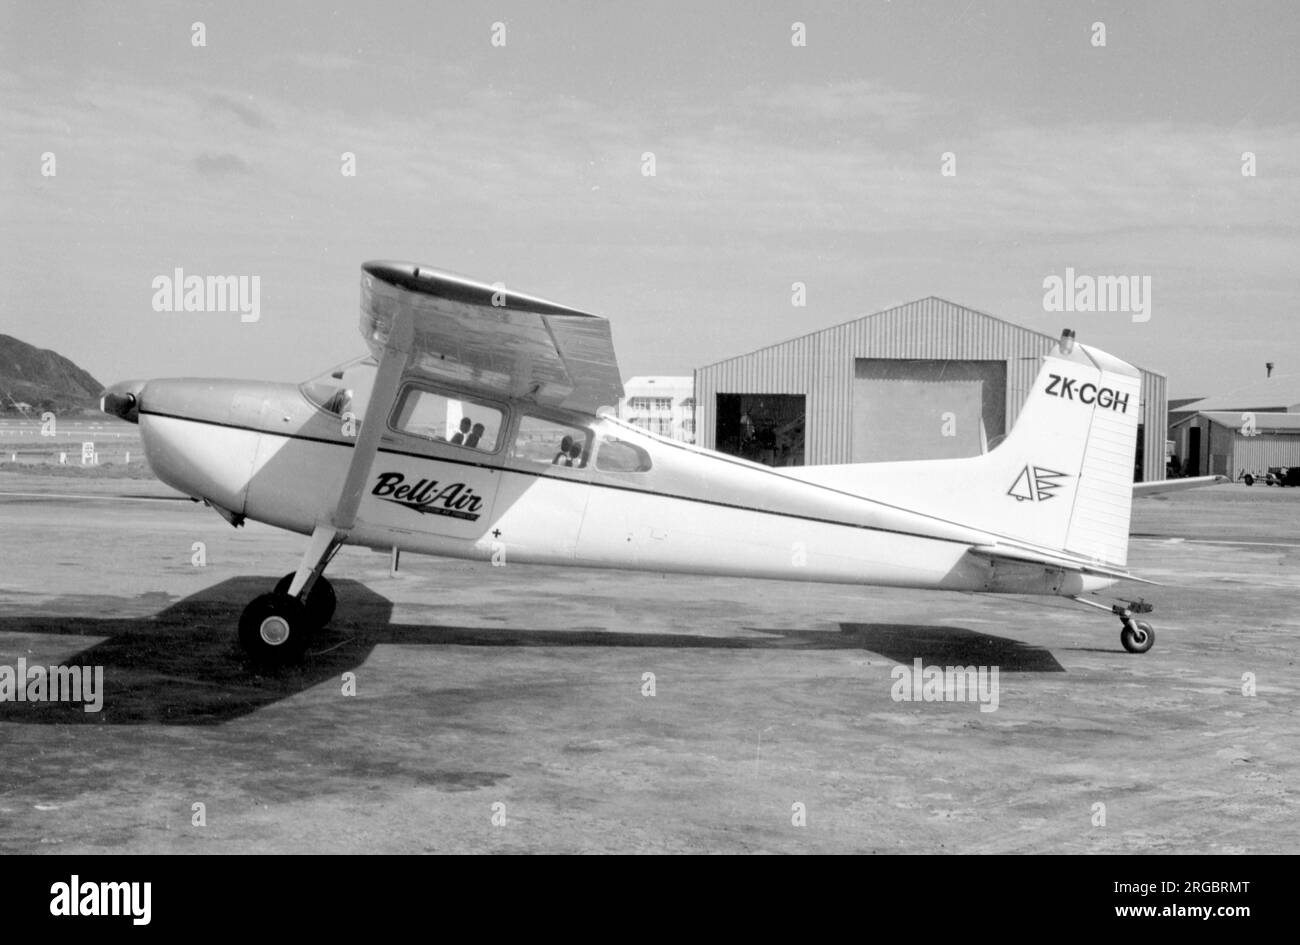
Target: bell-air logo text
x,y
1105,397
1036,484
429,496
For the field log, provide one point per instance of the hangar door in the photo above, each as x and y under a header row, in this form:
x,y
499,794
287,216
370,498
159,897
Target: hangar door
x,y
926,409
764,428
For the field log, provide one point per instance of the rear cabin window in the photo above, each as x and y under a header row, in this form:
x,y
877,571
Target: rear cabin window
x,y
543,442
446,418
615,455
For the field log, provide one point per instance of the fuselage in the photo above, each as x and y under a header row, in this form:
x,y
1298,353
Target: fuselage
x,y
609,496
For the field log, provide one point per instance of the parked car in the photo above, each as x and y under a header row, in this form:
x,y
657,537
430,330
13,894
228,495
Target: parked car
x,y
1282,476
1276,476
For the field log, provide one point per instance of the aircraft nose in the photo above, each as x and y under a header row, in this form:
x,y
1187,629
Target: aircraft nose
x,y
122,400
202,436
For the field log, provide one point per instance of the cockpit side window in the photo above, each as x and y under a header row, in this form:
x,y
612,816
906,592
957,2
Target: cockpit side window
x,y
447,418
543,442
615,455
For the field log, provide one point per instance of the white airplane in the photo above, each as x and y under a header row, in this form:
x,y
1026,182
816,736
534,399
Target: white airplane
x,y
472,431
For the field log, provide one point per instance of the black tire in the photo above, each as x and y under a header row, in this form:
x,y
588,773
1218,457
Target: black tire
x,y
274,629
1249,480
320,603
1137,636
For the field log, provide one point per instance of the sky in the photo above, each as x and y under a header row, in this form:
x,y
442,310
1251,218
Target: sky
x,y
774,163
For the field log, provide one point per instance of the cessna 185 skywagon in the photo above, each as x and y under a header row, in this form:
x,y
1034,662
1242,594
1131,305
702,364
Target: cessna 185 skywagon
x,y
472,430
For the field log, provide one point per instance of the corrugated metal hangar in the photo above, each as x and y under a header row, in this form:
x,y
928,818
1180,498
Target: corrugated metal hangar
x,y
1248,430
926,380
1235,443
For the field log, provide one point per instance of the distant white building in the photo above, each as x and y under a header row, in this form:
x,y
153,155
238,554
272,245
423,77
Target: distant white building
x,y
662,405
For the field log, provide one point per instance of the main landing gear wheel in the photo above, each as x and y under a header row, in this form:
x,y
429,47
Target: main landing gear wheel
x,y
1137,636
274,629
320,602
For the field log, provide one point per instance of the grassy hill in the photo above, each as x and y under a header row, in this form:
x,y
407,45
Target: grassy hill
x,y
42,379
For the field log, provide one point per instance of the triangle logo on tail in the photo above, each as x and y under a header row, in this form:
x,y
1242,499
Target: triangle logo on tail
x,y
1036,484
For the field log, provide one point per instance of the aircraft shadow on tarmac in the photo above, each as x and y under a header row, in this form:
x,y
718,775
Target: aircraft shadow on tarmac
x,y
184,665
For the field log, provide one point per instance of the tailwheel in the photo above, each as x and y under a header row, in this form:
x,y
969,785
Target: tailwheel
x,y
1137,636
320,602
275,629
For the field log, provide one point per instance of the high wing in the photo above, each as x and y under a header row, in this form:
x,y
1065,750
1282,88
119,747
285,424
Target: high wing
x,y
491,339
1143,489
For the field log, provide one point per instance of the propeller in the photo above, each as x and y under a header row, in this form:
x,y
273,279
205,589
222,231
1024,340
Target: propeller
x,y
122,400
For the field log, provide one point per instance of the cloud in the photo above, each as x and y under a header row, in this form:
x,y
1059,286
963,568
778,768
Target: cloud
x,y
221,165
840,183
841,101
322,61
531,161
250,115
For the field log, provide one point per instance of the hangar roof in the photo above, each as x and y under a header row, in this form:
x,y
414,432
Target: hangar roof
x,y
1264,422
907,309
1276,393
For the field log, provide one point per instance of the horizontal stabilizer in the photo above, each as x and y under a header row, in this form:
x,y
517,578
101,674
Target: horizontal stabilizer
x,y
1026,555
1143,489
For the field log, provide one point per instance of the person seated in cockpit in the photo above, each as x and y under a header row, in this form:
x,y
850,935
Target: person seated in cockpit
x,y
575,455
564,456
459,438
475,435
340,402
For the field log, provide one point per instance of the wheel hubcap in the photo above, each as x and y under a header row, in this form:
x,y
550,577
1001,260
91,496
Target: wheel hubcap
x,y
274,630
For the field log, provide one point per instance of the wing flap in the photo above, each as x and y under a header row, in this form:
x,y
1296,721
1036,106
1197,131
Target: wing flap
x,y
587,350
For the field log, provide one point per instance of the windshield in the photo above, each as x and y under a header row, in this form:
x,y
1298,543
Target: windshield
x,y
344,389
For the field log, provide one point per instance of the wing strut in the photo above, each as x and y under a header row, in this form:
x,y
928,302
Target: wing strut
x,y
329,535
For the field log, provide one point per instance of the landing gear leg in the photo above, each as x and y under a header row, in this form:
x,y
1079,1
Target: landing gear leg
x,y
275,628
320,602
1137,636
